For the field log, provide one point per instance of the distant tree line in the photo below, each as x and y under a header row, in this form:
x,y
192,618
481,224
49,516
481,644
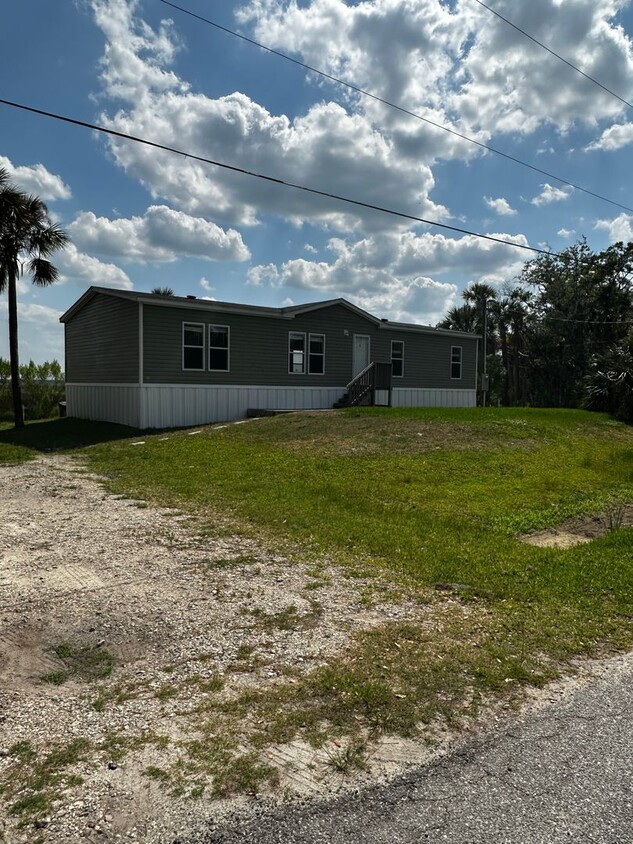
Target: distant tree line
x,y
562,334
42,389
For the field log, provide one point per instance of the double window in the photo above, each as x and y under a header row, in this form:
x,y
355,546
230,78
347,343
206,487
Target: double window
x,y
456,361
304,350
193,347
397,358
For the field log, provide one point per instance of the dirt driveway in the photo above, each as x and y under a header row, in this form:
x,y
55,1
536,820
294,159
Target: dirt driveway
x,y
106,606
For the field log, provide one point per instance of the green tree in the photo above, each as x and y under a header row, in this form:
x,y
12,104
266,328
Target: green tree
x,y
27,239
609,383
162,291
582,306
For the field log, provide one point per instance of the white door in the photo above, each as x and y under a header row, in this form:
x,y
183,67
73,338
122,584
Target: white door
x,y
361,358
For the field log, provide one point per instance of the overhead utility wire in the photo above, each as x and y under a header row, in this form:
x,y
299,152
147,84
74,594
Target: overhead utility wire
x,y
266,178
399,108
557,55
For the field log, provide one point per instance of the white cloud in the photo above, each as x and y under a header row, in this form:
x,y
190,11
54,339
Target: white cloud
x,y
327,147
36,179
615,137
619,228
40,334
500,206
78,268
394,273
566,232
206,285
161,234
551,194
309,248
457,61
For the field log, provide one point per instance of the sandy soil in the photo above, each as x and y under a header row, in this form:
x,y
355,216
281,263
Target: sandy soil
x,y
580,530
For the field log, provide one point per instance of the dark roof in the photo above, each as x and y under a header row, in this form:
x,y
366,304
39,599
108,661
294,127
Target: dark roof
x,y
289,312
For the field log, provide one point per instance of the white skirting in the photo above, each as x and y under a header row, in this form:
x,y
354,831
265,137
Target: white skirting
x,y
411,397
105,403
178,405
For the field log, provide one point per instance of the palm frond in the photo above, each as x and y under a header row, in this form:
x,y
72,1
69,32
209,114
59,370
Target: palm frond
x,y
42,272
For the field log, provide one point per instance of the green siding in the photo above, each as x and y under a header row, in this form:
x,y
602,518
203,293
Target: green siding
x,y
259,349
102,342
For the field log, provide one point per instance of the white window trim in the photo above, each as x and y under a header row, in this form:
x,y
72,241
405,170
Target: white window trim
x,y
401,343
305,351
310,336
461,363
228,346
204,348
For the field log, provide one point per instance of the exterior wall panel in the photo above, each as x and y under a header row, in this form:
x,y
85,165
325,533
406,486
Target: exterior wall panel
x,y
176,406
104,403
259,349
102,342
433,398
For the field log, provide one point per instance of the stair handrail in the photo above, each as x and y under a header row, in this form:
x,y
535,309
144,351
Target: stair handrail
x,y
360,374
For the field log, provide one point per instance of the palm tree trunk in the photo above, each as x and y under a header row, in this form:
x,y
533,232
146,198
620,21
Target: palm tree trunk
x,y
18,410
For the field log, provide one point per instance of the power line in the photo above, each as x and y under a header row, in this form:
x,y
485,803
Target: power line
x,y
96,128
589,321
399,108
554,53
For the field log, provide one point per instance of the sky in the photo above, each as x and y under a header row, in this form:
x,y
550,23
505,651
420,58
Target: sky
x,y
139,217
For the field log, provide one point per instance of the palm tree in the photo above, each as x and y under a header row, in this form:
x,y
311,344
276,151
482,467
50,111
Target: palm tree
x,y
162,291
27,239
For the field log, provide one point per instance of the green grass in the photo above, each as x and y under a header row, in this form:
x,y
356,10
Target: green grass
x,y
432,499
82,661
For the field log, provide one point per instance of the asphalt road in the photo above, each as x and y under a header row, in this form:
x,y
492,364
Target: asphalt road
x,y
563,773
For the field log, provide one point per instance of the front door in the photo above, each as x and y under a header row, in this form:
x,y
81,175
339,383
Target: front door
x,y
361,357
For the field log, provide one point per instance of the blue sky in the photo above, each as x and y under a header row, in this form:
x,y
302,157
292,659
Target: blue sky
x,y
140,217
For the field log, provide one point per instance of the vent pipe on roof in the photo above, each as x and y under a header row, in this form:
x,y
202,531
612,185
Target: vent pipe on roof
x,y
189,296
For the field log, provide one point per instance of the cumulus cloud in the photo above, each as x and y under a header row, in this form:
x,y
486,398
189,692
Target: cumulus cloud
x,y
40,335
36,179
566,232
619,228
551,194
395,273
327,147
500,206
458,61
79,268
206,285
615,137
160,235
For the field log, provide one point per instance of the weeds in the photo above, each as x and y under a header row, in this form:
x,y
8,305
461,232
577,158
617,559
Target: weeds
x,y
81,661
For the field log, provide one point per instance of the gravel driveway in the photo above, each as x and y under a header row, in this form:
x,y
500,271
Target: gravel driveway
x,y
81,568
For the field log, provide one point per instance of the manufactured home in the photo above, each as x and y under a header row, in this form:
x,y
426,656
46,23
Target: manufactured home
x,y
153,361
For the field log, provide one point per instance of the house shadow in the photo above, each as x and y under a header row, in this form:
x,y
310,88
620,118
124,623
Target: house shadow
x,y
64,434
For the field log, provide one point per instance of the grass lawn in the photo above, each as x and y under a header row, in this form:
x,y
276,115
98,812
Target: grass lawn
x,y
432,499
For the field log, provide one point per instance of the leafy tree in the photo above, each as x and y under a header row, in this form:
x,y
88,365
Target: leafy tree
x,y
42,389
609,383
558,337
27,239
162,291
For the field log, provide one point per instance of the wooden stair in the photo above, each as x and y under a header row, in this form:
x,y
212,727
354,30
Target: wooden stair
x,y
361,390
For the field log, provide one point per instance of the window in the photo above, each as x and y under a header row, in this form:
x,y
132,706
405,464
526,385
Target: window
x,y
397,358
192,345
296,353
219,348
456,361
316,355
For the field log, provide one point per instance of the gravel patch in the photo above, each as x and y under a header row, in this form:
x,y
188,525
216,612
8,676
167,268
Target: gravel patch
x,y
84,572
